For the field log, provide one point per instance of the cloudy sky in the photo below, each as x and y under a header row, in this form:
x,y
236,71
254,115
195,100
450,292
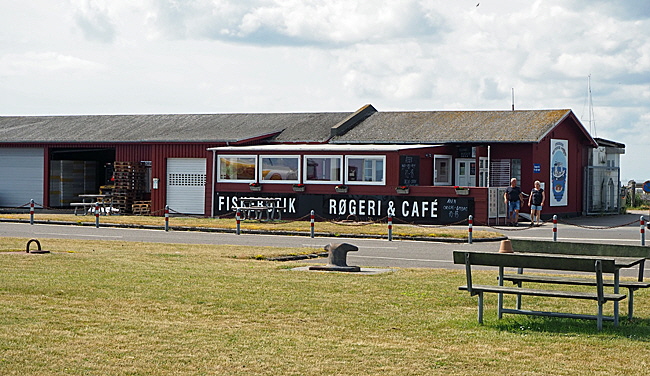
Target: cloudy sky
x,y
224,56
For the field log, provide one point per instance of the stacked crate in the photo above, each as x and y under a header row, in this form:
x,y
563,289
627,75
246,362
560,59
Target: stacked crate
x,y
129,184
141,207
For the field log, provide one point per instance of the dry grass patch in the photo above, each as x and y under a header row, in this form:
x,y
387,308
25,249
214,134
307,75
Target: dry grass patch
x,y
288,226
121,308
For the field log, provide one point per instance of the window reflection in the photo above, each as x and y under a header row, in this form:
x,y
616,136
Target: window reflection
x,y
280,168
323,169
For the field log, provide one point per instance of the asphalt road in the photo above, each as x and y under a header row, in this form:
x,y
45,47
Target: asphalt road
x,y
619,229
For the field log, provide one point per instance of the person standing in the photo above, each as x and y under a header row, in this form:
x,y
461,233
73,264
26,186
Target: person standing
x,y
514,199
536,202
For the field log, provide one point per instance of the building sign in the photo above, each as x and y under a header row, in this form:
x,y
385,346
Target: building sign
x,y
433,210
559,172
466,152
409,170
537,168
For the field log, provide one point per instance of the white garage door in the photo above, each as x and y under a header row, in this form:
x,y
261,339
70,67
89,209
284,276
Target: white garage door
x,y
186,185
21,176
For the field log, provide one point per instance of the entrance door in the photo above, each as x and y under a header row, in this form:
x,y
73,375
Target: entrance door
x,y
466,172
186,185
442,170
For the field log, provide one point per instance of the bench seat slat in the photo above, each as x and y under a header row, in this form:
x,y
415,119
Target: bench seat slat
x,y
546,293
571,281
535,261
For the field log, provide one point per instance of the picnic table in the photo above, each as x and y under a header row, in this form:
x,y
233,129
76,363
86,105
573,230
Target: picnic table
x,y
548,262
255,207
90,200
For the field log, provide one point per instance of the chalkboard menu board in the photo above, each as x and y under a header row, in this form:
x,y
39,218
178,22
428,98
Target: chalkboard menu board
x,y
409,170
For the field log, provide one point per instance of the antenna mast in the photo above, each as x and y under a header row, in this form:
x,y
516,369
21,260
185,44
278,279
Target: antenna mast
x,y
590,114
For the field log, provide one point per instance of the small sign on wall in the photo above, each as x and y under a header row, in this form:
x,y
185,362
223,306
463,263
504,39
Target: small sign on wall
x,y
537,168
409,170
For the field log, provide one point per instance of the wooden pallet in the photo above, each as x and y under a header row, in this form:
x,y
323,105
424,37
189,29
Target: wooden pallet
x,y
141,208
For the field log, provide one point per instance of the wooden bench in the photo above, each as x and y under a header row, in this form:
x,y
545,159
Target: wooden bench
x,y
255,212
83,205
587,249
571,263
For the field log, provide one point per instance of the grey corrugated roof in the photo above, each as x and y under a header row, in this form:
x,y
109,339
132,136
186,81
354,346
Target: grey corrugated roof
x,y
454,126
373,127
294,127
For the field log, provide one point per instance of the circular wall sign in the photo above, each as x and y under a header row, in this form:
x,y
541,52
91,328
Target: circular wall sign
x,y
646,186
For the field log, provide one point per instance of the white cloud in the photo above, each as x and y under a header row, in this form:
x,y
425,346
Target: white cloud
x,y
95,22
294,22
44,63
121,56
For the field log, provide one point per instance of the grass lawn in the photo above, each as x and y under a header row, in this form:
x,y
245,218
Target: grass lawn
x,y
329,228
122,308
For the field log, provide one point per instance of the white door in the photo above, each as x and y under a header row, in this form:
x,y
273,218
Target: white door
x,y
21,176
186,185
482,172
442,170
466,172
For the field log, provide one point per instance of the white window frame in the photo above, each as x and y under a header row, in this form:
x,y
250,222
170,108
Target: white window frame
x,y
450,173
362,182
339,159
285,156
223,180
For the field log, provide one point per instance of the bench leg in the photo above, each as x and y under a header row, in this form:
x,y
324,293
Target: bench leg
x,y
599,319
630,303
500,306
519,271
480,308
616,291
500,296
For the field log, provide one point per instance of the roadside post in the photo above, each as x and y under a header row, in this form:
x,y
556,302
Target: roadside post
x,y
470,220
312,224
31,211
642,230
555,228
166,217
97,214
238,217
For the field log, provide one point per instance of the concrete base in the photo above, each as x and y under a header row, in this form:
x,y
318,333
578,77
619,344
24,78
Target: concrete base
x,y
362,271
334,268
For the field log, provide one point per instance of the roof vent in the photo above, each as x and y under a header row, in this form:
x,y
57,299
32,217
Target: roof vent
x,y
352,120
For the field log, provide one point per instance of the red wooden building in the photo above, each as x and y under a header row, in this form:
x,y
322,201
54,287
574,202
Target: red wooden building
x,y
202,164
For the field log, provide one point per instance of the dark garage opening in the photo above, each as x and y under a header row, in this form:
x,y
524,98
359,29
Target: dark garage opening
x,y
78,171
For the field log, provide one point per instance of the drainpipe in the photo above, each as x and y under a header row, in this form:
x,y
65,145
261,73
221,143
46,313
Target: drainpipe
x,y
214,161
488,166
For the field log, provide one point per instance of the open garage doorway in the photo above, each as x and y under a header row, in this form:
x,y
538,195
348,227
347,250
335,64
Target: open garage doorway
x,y
78,171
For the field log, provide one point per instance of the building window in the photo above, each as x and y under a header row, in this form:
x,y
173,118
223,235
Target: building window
x,y
500,172
279,169
323,169
365,169
515,170
236,168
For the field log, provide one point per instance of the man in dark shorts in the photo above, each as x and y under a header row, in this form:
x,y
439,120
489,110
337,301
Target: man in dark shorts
x,y
513,198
